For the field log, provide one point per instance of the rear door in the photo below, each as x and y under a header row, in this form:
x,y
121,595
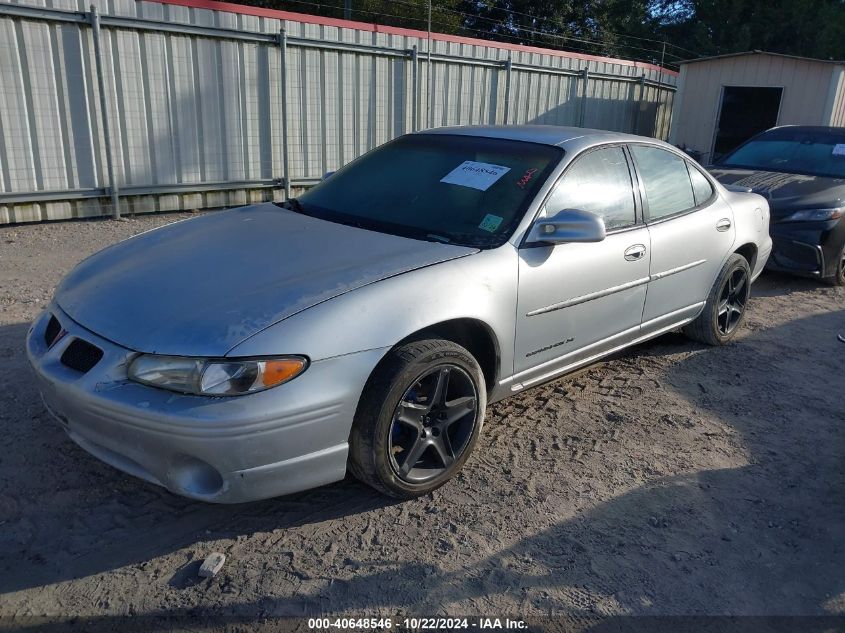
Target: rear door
x,y
691,232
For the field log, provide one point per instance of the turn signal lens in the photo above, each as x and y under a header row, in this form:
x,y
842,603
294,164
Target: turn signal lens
x,y
278,371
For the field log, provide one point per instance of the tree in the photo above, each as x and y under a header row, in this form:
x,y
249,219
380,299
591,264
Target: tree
x,y
809,28
649,30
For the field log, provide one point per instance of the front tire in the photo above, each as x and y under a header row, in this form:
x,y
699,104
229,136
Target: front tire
x,y
724,310
838,278
418,419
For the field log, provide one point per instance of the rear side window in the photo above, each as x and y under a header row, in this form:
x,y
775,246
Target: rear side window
x,y
599,182
701,187
668,189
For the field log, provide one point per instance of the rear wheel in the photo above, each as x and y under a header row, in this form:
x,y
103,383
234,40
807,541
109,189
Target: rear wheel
x,y
838,278
418,419
724,310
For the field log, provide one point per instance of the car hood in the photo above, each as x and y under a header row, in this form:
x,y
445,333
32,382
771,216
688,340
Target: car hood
x,y
201,286
786,192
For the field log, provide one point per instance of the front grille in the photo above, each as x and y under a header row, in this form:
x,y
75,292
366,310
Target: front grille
x,y
81,355
52,331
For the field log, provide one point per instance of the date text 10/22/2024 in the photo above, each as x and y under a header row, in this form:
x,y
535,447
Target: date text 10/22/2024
x,y
433,624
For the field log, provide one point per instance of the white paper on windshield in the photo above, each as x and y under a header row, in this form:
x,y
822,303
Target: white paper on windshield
x,y
839,149
475,175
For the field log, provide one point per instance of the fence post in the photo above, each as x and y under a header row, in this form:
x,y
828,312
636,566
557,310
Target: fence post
x,y
638,106
661,120
94,16
582,110
633,106
508,68
415,69
283,49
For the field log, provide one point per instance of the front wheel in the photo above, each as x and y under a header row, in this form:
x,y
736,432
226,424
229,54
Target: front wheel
x,y
418,419
724,310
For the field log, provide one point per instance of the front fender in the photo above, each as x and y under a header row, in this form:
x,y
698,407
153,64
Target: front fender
x,y
482,286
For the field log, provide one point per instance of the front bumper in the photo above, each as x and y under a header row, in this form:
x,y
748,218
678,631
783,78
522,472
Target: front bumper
x,y
805,248
225,450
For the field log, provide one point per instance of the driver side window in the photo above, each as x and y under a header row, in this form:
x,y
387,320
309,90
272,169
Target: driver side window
x,y
598,182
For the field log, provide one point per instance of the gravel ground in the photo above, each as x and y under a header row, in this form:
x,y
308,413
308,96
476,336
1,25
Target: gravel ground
x,y
671,479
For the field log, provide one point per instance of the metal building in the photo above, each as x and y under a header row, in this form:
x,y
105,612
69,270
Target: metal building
x,y
187,104
723,101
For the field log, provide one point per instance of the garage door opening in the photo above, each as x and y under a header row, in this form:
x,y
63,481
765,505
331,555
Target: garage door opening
x,y
744,112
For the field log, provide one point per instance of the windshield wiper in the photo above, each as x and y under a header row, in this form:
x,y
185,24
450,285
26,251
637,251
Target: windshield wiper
x,y
459,239
293,204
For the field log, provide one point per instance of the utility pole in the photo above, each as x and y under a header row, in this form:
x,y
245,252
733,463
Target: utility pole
x,y
347,9
659,85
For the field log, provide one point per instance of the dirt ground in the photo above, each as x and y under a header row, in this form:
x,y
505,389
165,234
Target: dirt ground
x,y
672,479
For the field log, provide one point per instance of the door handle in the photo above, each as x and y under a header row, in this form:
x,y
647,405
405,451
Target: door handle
x,y
635,252
723,225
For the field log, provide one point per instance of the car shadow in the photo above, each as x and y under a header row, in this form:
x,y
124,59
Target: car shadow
x,y
774,284
767,537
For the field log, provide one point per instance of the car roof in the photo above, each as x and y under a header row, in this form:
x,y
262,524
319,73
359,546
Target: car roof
x,y
544,134
808,128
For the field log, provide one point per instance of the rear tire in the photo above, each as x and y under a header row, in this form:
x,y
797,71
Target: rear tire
x,y
838,278
418,419
724,310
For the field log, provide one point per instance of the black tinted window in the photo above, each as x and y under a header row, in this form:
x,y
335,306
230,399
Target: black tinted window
x,y
668,189
599,182
459,189
701,187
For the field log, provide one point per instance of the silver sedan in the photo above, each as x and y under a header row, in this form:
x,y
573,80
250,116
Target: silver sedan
x,y
365,326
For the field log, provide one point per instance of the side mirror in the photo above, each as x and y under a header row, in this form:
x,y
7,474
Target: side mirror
x,y
569,225
327,175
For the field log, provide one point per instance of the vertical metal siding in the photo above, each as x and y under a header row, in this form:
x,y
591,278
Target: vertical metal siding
x,y
837,97
188,109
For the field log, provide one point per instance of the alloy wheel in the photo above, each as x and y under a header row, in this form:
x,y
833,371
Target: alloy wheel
x,y
732,301
433,423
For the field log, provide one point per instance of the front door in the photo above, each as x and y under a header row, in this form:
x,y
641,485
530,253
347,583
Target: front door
x,y
575,300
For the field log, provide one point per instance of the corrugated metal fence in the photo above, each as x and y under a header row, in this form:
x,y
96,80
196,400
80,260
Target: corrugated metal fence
x,y
207,108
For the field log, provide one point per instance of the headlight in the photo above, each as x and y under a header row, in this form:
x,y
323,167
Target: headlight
x,y
215,377
814,215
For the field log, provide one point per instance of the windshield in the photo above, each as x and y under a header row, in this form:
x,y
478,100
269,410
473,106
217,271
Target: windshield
x,y
464,190
794,151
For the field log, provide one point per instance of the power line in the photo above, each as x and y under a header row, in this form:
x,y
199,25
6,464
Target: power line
x,y
515,27
636,37
512,12
509,29
623,35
